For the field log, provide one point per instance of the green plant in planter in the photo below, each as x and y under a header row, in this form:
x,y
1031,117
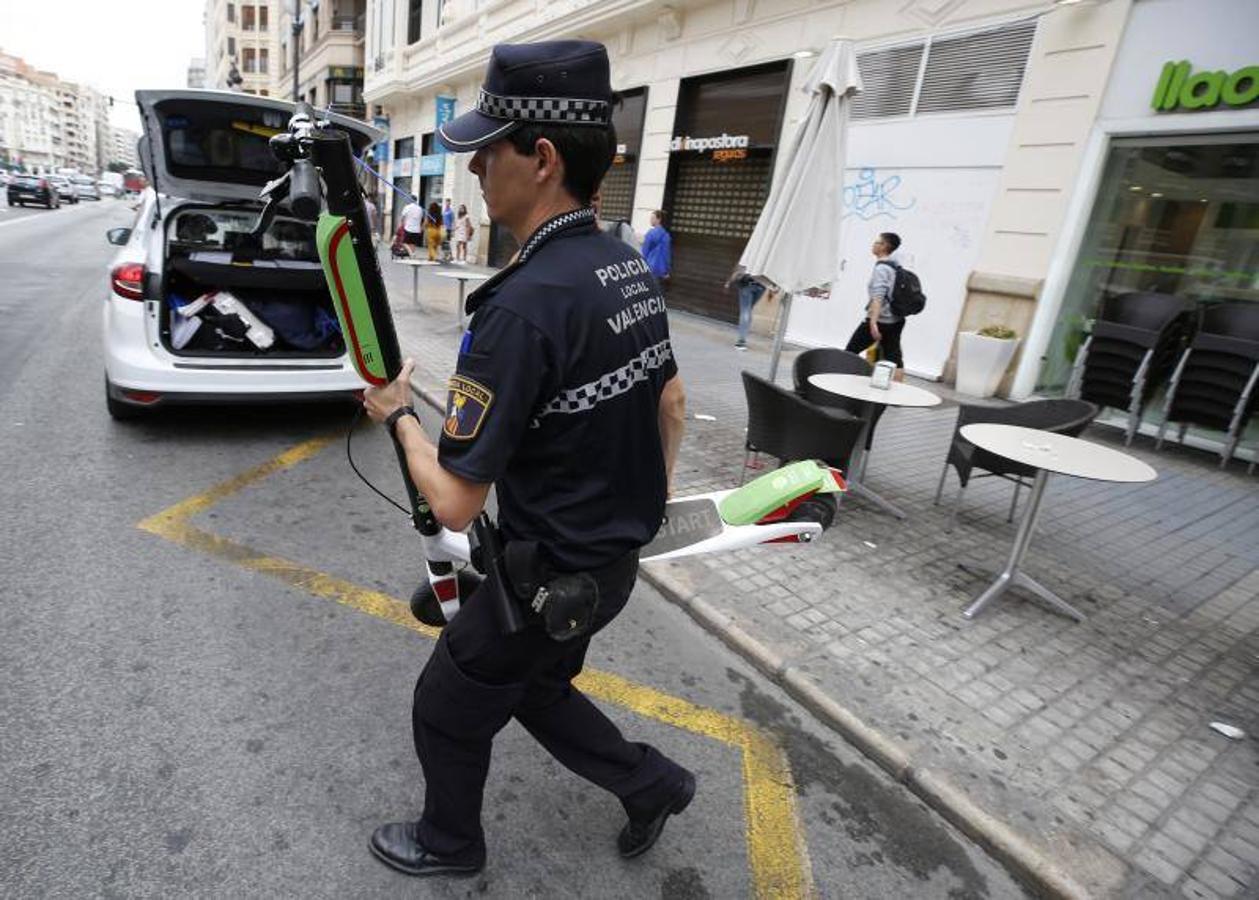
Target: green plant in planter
x,y
1000,332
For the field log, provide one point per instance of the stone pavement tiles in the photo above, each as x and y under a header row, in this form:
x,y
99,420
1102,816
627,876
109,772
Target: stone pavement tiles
x,y
1091,740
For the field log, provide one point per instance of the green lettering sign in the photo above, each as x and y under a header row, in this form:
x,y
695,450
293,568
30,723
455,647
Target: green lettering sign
x,y
1180,87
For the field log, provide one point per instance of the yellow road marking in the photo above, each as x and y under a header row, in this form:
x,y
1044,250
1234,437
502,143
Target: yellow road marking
x,y
775,842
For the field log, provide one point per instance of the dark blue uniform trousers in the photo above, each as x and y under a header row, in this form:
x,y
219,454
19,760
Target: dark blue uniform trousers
x,y
477,679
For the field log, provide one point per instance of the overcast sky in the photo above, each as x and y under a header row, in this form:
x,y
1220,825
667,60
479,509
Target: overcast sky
x,y
116,46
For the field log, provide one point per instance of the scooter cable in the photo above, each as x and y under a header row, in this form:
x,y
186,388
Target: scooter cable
x,y
358,417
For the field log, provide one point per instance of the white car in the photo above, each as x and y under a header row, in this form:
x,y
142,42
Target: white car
x,y
85,186
199,309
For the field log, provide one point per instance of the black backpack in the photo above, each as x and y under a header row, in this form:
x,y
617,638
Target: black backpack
x,y
907,296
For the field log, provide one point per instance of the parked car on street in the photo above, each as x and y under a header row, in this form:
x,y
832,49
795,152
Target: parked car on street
x,y
200,310
86,187
105,189
64,187
24,189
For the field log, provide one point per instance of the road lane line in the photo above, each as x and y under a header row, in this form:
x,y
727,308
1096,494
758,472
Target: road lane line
x,y
776,848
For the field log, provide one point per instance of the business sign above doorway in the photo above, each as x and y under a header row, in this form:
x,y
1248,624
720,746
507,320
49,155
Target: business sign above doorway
x,y
1179,87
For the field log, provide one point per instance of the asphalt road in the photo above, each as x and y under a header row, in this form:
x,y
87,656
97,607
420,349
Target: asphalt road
x,y
218,704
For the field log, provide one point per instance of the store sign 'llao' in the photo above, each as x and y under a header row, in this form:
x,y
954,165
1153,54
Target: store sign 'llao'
x,y
723,146
1179,87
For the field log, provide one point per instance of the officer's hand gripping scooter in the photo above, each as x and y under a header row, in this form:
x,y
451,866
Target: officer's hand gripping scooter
x,y
788,505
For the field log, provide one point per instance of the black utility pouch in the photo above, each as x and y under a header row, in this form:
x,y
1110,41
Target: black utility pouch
x,y
567,605
564,603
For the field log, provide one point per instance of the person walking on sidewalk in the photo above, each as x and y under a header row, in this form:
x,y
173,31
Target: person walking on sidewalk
x,y
658,247
580,469
463,234
750,291
448,229
433,231
411,227
881,326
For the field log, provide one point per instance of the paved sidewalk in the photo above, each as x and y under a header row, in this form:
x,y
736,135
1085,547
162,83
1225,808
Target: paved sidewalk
x,y
1081,753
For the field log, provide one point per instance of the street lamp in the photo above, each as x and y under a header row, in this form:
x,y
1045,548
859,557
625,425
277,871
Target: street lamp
x,y
297,25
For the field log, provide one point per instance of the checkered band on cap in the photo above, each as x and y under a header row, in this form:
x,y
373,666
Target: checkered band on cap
x,y
569,110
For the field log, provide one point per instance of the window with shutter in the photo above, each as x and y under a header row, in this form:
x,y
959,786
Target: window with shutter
x,y
888,78
982,70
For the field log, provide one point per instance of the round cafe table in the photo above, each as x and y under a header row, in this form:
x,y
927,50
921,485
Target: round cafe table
x,y
858,387
416,265
1048,453
463,278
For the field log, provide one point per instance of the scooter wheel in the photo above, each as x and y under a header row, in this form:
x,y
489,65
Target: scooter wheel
x,y
819,508
424,604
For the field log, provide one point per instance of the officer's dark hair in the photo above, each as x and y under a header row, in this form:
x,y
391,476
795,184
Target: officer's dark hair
x,y
891,238
587,151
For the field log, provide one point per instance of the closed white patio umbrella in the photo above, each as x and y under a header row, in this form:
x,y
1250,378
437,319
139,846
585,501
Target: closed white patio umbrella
x,y
796,242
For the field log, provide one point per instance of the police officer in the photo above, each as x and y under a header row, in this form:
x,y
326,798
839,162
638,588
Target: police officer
x,y
566,398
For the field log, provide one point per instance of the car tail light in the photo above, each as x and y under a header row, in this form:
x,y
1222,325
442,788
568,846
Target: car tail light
x,y
141,396
127,280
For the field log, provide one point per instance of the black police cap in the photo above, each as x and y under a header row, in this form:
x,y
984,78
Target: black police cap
x,y
550,82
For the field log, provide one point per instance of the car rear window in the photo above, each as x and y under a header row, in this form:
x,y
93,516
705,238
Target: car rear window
x,y
232,146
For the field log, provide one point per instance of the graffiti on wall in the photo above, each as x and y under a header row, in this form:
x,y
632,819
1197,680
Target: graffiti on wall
x,y
870,197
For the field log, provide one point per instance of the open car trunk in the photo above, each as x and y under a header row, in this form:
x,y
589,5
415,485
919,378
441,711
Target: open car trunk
x,y
227,294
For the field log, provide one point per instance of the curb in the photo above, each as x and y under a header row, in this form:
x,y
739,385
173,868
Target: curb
x,y
1007,846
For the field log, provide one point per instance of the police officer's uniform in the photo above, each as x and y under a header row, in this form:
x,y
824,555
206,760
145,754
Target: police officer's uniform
x,y
555,400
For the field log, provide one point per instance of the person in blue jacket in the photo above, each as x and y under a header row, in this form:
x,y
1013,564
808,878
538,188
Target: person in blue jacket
x,y
658,247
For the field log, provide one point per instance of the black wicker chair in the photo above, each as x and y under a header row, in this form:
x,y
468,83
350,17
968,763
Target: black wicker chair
x,y
1133,349
791,428
1216,382
1069,417
826,360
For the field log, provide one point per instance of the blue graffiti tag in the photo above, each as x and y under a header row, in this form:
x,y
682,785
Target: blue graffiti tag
x,y
868,198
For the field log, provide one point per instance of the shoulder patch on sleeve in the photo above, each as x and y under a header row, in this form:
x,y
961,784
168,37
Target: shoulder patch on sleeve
x,y
467,403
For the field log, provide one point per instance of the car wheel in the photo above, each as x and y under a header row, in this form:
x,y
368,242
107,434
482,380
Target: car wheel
x,y
119,411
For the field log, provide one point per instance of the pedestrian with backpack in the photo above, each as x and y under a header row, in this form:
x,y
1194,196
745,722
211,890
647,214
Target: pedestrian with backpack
x,y
894,293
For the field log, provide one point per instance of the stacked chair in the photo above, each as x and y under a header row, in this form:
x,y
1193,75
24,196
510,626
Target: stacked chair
x,y
1216,383
1134,346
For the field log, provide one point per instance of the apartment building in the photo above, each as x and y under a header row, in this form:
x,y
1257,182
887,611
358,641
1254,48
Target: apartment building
x,y
327,70
241,45
47,123
123,143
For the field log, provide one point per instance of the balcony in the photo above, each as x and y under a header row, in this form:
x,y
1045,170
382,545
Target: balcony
x,y
353,110
347,23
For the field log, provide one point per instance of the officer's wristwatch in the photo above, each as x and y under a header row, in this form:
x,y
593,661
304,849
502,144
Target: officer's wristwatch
x,y
391,422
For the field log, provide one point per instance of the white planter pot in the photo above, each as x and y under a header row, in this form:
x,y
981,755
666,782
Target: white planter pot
x,y
981,362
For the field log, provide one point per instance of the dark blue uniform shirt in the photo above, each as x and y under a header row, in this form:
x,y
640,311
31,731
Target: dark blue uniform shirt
x,y
556,393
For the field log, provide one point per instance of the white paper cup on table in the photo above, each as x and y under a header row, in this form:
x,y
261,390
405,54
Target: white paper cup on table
x,y
881,377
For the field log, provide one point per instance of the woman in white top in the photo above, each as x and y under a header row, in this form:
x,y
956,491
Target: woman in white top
x,y
463,233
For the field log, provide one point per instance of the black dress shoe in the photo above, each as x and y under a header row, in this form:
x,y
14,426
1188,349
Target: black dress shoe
x,y
398,846
638,836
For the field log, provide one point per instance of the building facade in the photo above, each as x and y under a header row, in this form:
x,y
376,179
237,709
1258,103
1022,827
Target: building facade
x,y
123,143
329,45
241,45
48,124
196,73
988,135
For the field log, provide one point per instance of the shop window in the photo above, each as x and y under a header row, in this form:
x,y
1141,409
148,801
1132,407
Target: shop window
x,y
976,71
1172,216
415,10
616,194
889,78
